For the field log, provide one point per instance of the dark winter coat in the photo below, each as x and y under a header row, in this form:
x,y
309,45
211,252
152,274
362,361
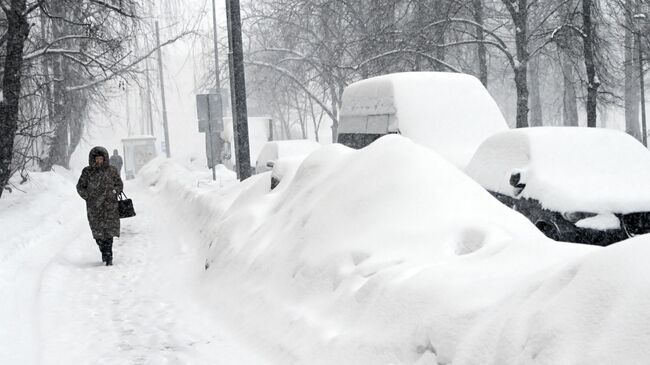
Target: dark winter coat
x,y
99,187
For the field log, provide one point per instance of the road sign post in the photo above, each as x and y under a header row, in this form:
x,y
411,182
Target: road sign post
x,y
208,111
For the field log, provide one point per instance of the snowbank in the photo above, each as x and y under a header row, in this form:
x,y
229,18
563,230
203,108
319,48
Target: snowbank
x,y
392,255
568,169
31,204
449,112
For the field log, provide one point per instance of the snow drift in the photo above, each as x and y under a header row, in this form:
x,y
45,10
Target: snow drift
x,y
392,255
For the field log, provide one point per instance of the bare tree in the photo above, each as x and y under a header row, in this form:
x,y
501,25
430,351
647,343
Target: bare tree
x,y
53,75
14,39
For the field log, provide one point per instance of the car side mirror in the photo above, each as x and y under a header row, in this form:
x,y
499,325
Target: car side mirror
x,y
515,182
270,164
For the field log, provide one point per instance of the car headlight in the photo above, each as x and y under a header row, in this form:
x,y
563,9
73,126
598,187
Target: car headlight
x,y
576,216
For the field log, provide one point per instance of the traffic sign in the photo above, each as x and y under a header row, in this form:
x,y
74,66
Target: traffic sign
x,y
208,110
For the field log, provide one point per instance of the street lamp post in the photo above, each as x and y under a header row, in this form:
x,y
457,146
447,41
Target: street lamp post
x,y
640,17
238,90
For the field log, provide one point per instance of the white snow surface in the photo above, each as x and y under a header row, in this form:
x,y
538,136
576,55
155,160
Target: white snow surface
x,y
386,255
568,169
600,222
451,113
59,305
390,255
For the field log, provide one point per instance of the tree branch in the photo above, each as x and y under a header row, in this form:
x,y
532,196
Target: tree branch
x,y
127,67
294,79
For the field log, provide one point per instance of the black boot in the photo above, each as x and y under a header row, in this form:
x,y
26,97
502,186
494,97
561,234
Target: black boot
x,y
102,249
108,248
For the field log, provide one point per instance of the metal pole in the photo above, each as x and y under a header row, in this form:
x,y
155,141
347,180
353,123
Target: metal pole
x,y
149,106
217,75
162,92
238,89
643,121
213,162
128,114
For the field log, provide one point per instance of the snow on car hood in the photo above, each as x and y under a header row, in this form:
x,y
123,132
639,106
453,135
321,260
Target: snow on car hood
x,y
568,169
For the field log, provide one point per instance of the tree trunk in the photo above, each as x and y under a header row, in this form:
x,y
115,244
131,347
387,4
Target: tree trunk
x,y
439,35
17,31
631,81
335,122
569,79
58,143
590,63
570,104
519,13
481,49
536,116
69,108
420,42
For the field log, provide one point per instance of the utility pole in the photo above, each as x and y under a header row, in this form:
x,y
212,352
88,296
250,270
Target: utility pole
x,y
162,92
216,57
238,90
128,113
640,17
210,136
148,98
217,83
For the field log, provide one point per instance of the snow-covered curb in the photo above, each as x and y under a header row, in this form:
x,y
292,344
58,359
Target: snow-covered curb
x,y
392,255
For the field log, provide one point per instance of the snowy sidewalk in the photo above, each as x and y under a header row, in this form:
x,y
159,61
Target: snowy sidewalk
x,y
61,306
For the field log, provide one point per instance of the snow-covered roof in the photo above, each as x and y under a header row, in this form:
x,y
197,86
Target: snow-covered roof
x,y
280,149
451,113
138,137
290,149
568,168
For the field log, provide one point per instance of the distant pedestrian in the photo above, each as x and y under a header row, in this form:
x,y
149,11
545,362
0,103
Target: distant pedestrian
x,y
117,162
99,185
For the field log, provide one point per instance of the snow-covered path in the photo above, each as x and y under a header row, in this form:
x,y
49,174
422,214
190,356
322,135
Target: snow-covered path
x,y
61,306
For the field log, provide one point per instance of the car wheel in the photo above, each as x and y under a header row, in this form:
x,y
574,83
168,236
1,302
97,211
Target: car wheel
x,y
549,230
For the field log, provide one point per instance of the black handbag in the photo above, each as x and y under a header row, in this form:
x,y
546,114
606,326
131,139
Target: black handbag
x,y
125,206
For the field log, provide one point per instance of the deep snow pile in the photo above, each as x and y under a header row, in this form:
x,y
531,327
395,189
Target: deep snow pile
x,y
568,169
391,255
41,194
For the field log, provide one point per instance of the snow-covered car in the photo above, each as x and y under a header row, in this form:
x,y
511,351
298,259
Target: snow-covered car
x,y
583,185
451,113
273,155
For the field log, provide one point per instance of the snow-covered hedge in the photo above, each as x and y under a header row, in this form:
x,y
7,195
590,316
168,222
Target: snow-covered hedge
x,y
392,255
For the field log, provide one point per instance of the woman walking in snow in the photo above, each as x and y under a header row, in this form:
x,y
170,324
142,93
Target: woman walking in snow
x,y
99,185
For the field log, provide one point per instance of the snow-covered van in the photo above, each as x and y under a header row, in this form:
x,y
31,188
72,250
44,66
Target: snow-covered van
x,y
450,113
587,185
